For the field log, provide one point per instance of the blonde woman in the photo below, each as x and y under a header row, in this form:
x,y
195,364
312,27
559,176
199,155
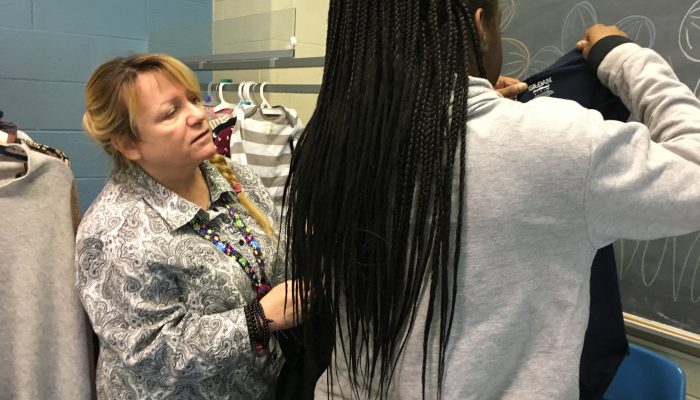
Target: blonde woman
x,y
177,263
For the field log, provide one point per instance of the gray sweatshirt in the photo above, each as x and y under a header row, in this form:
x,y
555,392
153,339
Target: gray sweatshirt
x,y
548,183
45,340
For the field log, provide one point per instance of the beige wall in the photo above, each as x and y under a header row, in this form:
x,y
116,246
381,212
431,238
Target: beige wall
x,y
259,25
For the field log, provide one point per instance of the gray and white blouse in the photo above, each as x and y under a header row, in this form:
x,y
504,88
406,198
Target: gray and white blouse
x,y
166,304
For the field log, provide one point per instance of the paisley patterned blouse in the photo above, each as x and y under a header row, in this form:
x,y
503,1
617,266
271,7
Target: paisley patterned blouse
x,y
166,304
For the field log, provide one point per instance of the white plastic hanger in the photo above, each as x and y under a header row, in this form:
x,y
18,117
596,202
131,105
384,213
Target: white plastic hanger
x,y
242,101
223,104
265,106
246,92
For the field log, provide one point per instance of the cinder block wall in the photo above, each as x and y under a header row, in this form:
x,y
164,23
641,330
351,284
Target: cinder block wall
x,y
48,49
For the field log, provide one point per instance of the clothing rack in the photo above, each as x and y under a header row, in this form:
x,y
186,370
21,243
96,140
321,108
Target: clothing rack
x,y
275,59
270,88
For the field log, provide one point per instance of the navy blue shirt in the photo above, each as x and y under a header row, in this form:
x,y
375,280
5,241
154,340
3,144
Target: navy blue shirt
x,y
605,344
570,77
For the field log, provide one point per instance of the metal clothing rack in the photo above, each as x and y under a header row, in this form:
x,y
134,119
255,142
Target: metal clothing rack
x,y
276,59
271,88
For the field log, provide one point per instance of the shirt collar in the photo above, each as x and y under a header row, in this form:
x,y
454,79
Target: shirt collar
x,y
219,188
171,207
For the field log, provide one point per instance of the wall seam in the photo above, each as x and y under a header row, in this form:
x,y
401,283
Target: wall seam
x,y
32,13
92,35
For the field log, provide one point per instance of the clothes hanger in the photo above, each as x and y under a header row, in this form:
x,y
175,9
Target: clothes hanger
x,y
246,92
7,138
9,134
209,99
223,104
10,151
240,93
242,99
265,106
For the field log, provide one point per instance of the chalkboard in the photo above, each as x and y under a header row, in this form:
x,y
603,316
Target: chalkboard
x,y
659,280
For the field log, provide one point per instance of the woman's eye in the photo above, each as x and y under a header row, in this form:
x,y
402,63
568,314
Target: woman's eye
x,y
170,114
194,100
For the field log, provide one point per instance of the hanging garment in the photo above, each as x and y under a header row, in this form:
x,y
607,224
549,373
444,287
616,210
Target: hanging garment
x,y
222,136
570,77
264,143
605,344
216,119
45,351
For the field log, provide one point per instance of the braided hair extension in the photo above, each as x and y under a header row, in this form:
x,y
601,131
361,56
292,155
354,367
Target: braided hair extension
x,y
221,164
370,193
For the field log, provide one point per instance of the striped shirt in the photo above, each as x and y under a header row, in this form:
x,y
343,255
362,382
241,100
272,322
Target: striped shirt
x,y
263,142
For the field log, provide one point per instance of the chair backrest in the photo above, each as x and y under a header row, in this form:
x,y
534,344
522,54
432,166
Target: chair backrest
x,y
646,375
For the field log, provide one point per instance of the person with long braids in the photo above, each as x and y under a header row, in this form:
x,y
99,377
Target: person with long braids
x,y
177,260
443,234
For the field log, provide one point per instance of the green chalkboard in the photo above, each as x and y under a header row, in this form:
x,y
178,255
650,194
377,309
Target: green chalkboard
x,y
659,280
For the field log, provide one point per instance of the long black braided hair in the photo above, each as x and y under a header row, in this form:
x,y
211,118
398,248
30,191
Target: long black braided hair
x,y
371,193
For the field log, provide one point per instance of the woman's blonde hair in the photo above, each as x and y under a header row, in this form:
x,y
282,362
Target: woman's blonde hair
x,y
111,101
221,164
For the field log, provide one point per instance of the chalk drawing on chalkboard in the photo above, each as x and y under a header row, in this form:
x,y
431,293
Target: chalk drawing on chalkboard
x,y
580,18
648,282
544,58
661,294
653,260
677,287
519,57
639,28
507,8
624,268
689,33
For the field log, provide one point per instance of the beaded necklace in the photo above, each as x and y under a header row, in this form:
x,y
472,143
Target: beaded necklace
x,y
262,285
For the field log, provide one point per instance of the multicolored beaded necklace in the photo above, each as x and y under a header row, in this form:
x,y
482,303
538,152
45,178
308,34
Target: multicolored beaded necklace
x,y
262,285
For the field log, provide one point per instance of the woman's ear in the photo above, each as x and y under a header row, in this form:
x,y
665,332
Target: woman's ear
x,y
127,147
479,25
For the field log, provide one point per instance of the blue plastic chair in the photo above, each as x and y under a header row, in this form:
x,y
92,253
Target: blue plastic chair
x,y
646,375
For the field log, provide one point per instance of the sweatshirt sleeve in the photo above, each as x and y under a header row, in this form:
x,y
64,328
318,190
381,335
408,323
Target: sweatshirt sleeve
x,y
644,178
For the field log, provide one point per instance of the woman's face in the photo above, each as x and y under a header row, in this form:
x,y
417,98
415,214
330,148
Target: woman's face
x,y
172,126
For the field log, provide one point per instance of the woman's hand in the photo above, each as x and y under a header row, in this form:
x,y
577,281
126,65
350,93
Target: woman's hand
x,y
509,87
594,34
280,314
